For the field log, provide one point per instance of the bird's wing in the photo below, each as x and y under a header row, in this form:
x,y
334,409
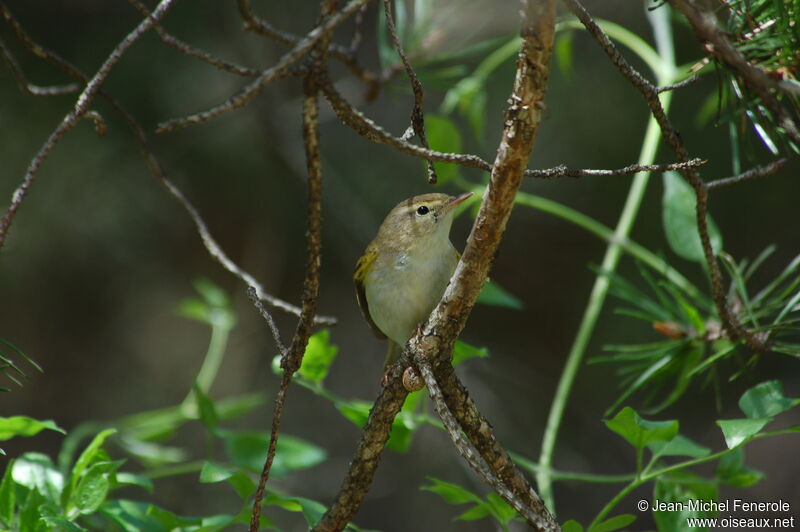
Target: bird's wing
x,y
363,265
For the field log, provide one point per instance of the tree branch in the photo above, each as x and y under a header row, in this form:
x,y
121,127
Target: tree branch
x,y
564,171
367,456
417,116
467,450
249,91
346,56
705,28
292,359
753,173
435,339
185,48
371,131
77,112
650,93
30,88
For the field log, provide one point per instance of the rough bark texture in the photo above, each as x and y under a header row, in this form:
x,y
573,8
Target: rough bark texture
x,y
368,453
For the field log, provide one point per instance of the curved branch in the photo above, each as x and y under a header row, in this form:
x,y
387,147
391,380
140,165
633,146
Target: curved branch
x,y
249,91
417,115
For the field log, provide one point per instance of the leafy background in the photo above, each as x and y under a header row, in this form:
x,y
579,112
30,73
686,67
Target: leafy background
x,y
100,258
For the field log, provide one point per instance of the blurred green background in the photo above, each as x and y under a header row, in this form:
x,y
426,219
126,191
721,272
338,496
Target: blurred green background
x,y
100,256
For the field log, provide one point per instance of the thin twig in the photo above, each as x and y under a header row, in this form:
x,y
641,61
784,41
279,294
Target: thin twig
x,y
355,40
650,93
292,359
253,22
252,293
249,91
371,131
28,87
417,116
72,118
563,171
368,129
688,81
753,173
183,47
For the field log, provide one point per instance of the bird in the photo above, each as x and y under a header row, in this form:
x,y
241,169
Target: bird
x,y
406,268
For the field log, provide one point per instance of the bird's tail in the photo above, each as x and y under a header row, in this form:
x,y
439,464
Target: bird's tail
x,y
393,352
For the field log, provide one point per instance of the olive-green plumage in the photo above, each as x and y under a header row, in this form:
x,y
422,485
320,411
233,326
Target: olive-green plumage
x,y
405,269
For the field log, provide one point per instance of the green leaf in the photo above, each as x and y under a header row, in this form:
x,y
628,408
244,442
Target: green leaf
x,y
468,95
614,523
641,432
89,456
451,493
249,450
572,526
211,293
240,481
132,516
319,356
562,50
36,472
501,510
61,524
403,425
680,220
732,471
125,478
443,136
213,308
312,510
680,487
493,294
463,351
93,488
25,426
678,446
765,400
8,491
30,513
689,358
22,355
194,309
206,408
479,511
736,431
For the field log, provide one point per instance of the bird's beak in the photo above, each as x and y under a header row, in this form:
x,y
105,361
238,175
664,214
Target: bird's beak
x,y
454,201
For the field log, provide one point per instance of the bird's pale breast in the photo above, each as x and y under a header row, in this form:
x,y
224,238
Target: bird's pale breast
x,y
410,286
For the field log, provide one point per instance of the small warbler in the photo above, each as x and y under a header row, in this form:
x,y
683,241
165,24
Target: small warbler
x,y
406,268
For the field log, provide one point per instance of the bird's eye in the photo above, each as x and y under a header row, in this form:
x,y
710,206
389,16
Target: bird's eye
x,y
423,210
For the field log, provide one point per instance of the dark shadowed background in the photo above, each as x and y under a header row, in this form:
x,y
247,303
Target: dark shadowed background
x,y
100,256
